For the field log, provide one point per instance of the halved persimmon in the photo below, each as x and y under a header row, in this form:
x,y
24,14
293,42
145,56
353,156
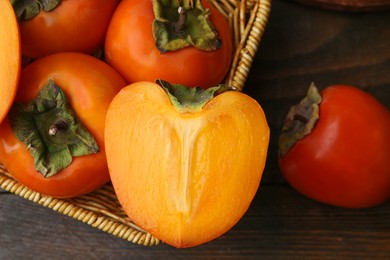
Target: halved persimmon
x,y
10,57
187,168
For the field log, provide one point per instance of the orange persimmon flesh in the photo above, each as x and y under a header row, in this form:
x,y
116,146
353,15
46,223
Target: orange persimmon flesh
x,y
10,57
186,178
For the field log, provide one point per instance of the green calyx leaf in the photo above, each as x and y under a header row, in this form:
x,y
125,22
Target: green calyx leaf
x,y
50,129
179,24
189,100
300,120
28,9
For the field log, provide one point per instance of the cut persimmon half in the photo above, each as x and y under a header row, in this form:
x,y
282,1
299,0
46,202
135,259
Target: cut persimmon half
x,y
10,57
185,163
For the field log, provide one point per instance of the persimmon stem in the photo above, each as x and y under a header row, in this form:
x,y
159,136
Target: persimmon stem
x,y
59,125
190,99
300,118
51,131
180,24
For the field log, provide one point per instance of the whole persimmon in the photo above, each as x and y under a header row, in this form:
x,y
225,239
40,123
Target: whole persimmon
x,y
334,147
10,57
184,42
185,163
52,139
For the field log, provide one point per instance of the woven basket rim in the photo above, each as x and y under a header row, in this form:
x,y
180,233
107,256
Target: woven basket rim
x,y
101,209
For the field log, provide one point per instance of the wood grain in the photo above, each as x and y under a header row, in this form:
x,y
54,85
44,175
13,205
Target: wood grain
x,y
349,5
301,44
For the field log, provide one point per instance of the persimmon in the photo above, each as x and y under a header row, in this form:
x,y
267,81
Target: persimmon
x,y
334,147
10,57
185,162
52,139
141,45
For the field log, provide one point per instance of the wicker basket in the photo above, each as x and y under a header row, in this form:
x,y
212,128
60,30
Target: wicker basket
x,y
101,209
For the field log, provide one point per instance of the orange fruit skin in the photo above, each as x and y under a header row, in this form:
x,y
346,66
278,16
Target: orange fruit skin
x,y
73,26
186,178
10,57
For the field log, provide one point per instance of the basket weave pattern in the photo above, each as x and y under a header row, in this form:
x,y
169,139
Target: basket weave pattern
x,y
101,209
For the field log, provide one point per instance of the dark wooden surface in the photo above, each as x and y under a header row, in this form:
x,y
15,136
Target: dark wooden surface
x,y
301,44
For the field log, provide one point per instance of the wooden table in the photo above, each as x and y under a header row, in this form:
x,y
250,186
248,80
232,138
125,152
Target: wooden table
x,y
301,44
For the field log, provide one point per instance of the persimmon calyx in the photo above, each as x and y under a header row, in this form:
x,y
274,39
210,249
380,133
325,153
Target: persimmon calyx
x,y
28,9
188,99
179,24
50,129
300,120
